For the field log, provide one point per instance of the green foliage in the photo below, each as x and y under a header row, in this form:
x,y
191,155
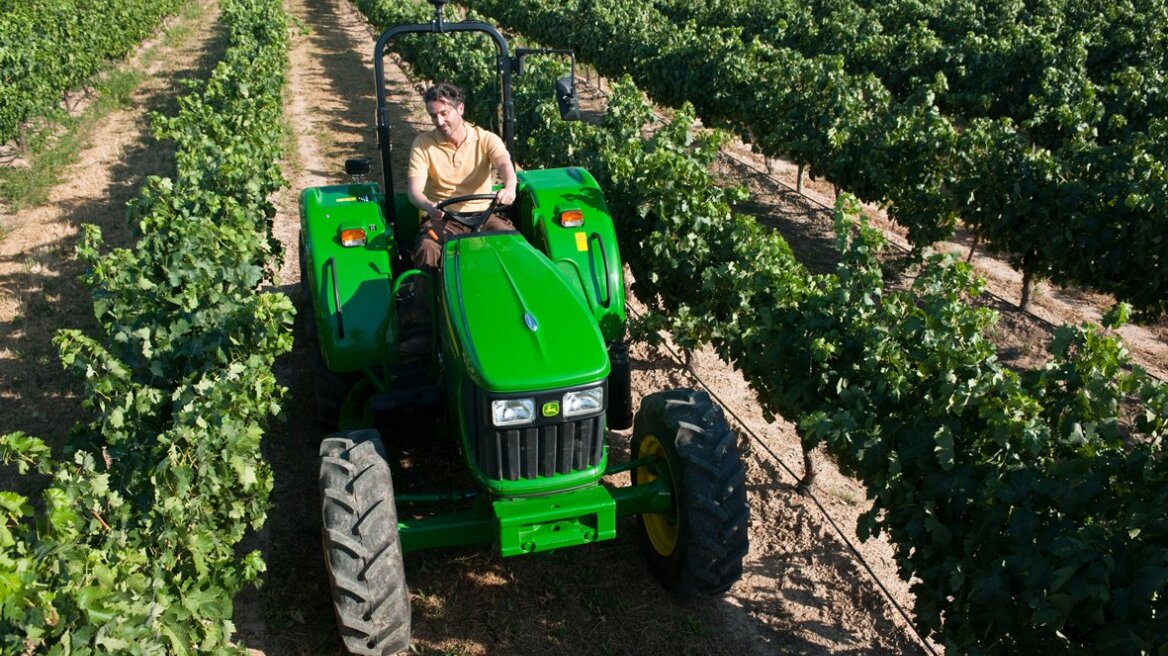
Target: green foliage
x,y
50,46
1026,508
1040,125
51,153
135,549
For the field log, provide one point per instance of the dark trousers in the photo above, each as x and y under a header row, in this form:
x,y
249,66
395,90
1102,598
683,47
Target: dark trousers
x,y
427,254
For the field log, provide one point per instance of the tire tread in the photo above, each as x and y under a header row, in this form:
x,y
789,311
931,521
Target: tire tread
x,y
713,539
362,547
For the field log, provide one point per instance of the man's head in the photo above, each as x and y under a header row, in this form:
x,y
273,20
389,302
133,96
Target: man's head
x,y
444,104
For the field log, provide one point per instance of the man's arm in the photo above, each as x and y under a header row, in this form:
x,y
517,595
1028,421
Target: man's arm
x,y
415,186
506,172
416,176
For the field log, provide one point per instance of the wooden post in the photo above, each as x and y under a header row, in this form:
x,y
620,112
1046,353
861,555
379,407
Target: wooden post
x,y
808,480
1028,263
973,246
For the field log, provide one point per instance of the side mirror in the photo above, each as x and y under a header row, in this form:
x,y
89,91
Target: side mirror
x,y
566,98
357,167
565,86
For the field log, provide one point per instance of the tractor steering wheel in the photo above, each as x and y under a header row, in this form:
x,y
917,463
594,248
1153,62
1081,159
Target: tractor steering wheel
x,y
474,219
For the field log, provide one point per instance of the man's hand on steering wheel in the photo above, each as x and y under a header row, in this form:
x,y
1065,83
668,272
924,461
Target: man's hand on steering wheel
x,y
505,196
474,219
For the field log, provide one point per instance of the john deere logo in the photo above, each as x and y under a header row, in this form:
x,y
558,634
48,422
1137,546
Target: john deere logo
x,y
551,409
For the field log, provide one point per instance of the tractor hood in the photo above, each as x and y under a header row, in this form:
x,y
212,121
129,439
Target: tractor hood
x,y
514,322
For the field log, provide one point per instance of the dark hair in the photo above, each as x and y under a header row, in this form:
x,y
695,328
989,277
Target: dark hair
x,y
443,91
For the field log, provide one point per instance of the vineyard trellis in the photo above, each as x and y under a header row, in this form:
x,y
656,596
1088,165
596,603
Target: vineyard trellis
x,y
1067,175
1000,491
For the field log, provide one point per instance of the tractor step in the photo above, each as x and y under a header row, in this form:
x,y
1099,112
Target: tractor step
x,y
412,395
413,400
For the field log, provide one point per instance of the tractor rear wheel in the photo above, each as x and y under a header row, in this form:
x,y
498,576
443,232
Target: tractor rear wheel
x,y
362,549
305,295
329,390
698,549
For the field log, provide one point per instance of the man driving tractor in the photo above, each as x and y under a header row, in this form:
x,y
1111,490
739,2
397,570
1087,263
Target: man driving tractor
x,y
531,375
454,159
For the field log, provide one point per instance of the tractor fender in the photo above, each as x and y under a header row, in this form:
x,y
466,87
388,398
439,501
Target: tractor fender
x,y
586,255
350,286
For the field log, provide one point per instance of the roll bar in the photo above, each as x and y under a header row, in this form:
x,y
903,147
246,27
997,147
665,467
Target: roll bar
x,y
438,25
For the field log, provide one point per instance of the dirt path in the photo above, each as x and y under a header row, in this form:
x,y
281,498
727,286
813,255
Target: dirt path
x,y
40,289
329,110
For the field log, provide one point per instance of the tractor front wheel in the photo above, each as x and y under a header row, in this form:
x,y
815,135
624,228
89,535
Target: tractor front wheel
x,y
698,548
362,549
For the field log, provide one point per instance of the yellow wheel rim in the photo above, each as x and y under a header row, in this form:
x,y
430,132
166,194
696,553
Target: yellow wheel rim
x,y
661,529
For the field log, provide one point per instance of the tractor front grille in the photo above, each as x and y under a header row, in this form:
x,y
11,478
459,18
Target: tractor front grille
x,y
527,452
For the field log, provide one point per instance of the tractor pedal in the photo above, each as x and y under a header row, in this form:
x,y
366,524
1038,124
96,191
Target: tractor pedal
x,y
414,348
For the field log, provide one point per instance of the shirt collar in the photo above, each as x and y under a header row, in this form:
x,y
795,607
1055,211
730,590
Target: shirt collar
x,y
472,135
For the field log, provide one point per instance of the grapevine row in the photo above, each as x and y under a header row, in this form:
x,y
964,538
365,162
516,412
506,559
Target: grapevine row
x,y
1082,79
1026,507
135,549
1026,62
48,47
1074,191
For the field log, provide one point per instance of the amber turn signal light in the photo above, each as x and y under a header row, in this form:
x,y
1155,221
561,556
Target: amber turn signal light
x,y
353,237
572,218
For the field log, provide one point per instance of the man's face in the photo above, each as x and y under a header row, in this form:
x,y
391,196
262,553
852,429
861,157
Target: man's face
x,y
446,117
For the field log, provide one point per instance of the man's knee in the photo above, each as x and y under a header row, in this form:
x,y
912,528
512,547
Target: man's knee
x,y
498,222
427,254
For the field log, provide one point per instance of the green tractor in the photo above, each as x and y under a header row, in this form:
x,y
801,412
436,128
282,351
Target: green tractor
x,y
529,371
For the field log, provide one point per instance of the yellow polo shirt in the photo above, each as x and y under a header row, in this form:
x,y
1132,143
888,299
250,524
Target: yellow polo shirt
x,y
456,171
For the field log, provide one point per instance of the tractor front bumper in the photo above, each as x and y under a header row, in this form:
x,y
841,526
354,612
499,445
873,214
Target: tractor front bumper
x,y
519,525
534,524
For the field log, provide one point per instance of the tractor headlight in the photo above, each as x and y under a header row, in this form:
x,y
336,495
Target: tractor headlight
x,y
512,412
583,402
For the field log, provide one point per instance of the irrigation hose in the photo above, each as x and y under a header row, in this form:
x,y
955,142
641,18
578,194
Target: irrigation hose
x,y
818,504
